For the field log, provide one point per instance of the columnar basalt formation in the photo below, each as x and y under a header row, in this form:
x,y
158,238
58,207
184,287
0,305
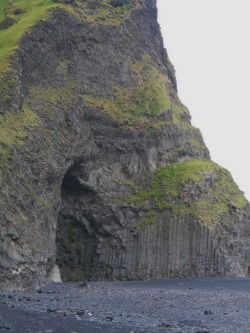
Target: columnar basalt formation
x,y
101,171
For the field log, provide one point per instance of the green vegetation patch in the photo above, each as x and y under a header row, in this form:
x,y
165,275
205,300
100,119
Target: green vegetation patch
x,y
6,86
14,130
141,107
25,13
195,187
3,5
105,12
50,100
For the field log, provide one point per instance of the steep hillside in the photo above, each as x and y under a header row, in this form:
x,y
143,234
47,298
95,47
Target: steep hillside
x,y
101,171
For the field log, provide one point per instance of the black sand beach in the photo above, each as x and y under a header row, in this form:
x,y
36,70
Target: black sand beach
x,y
193,305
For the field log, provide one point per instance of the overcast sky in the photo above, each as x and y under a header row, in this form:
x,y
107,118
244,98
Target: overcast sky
x,y
208,43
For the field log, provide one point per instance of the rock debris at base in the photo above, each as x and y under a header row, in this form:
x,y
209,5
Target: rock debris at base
x,y
198,305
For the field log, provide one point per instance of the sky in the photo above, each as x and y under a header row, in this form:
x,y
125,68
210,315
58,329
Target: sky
x,y
208,43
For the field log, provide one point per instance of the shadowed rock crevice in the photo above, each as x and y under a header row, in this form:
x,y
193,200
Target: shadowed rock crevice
x,y
83,220
75,238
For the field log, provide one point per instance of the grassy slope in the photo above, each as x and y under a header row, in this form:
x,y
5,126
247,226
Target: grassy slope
x,y
3,4
183,188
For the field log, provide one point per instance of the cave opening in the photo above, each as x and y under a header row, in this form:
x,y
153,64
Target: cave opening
x,y
76,240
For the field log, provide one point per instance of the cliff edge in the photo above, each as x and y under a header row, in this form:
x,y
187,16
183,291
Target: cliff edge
x,y
101,170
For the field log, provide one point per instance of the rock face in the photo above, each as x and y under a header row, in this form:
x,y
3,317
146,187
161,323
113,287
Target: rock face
x,y
101,171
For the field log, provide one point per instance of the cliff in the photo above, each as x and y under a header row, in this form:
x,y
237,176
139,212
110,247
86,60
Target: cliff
x,y
101,171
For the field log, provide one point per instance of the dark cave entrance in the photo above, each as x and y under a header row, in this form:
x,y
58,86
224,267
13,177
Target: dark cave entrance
x,y
76,239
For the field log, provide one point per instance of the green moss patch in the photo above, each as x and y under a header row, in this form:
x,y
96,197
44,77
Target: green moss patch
x,y
50,100
200,188
142,106
104,12
137,108
14,130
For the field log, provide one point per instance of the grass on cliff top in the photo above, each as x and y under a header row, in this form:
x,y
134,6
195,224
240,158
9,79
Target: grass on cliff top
x,y
25,13
183,188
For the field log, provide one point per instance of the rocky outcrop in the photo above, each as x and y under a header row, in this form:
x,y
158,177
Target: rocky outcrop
x,y
161,232
102,172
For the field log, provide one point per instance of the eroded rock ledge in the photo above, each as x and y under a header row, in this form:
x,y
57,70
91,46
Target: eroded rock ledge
x,y
101,170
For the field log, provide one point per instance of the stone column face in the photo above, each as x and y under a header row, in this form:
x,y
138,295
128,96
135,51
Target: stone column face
x,y
170,247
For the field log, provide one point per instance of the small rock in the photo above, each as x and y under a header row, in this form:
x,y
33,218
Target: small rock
x,y
208,312
50,292
80,313
7,22
78,317
51,310
163,324
5,326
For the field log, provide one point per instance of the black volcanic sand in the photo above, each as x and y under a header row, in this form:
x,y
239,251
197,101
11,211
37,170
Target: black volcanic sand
x,y
193,305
